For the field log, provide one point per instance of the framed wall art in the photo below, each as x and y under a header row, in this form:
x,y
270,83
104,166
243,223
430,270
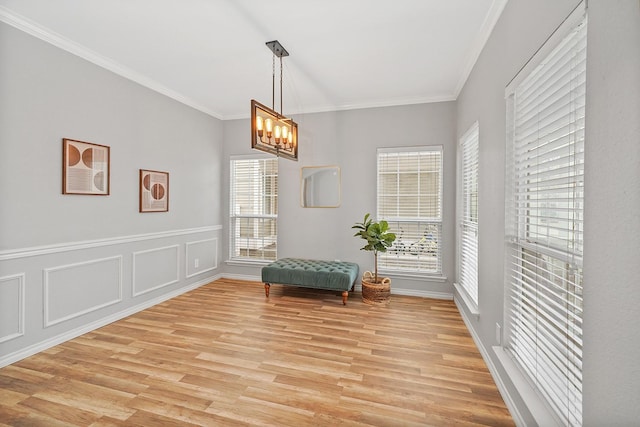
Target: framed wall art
x,y
85,168
154,191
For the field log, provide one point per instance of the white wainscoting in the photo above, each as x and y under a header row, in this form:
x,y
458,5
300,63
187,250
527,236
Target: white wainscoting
x,y
155,268
201,256
6,359
73,290
89,244
49,294
11,307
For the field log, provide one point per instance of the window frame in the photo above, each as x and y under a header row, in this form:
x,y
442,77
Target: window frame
x,y
428,244
543,320
468,226
234,253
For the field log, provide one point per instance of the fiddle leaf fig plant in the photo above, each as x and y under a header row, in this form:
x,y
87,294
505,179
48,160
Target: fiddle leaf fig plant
x,y
377,236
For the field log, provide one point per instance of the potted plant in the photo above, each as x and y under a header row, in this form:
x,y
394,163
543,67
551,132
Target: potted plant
x,y
375,290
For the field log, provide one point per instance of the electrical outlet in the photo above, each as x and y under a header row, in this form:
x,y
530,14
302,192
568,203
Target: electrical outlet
x,y
498,334
196,262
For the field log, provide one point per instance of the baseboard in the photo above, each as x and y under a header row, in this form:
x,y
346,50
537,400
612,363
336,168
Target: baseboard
x,y
502,388
414,292
423,294
358,288
53,341
244,277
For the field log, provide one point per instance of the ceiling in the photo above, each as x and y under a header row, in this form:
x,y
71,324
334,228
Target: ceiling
x,y
211,54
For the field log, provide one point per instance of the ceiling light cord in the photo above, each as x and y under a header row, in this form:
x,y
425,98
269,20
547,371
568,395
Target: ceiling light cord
x,y
281,85
273,84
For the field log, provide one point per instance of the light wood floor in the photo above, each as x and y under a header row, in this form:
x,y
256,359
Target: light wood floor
x,y
222,355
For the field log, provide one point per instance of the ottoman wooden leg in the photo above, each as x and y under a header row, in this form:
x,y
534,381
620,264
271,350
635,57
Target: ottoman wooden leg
x,y
266,289
345,295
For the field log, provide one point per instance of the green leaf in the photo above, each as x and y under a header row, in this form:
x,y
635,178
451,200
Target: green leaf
x,y
375,234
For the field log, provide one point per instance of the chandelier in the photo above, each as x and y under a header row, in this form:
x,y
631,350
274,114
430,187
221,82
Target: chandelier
x,y
270,130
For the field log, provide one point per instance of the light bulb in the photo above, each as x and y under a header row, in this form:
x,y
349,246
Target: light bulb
x,y
277,134
268,124
259,124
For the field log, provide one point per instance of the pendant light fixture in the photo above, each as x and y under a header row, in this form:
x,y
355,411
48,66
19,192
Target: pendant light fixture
x,y
270,130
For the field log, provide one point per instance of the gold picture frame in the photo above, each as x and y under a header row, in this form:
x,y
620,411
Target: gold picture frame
x,y
85,168
154,191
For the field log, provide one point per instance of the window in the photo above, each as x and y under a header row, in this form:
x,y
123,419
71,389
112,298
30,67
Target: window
x,y
410,199
253,209
468,217
544,213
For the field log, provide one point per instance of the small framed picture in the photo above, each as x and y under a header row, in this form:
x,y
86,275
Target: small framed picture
x,y
154,191
85,168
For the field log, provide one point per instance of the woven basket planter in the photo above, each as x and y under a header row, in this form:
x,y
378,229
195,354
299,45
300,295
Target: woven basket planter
x,y
375,293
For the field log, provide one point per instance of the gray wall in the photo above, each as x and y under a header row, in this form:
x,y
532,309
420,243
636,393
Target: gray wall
x,y
612,215
349,139
611,298
69,263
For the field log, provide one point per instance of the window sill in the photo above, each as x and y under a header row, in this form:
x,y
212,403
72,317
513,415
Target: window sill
x,y
468,301
532,400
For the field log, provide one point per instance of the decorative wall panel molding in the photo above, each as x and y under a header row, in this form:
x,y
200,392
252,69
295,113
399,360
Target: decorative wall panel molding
x,y
7,359
74,246
76,289
155,268
12,307
201,256
75,286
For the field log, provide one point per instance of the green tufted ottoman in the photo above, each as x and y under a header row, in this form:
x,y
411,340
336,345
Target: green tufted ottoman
x,y
309,273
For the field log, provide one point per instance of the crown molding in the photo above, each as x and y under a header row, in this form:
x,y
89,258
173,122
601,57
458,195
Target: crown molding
x,y
490,20
388,103
26,25
362,106
45,34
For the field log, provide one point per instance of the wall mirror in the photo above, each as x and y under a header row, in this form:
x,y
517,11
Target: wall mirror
x,y
320,186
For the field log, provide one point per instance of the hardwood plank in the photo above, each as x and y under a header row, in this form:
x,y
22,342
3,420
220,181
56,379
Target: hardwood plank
x,y
16,415
178,415
225,355
60,412
10,397
85,396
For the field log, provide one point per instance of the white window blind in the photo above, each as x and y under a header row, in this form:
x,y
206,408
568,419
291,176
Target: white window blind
x,y
468,221
544,213
410,200
253,209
